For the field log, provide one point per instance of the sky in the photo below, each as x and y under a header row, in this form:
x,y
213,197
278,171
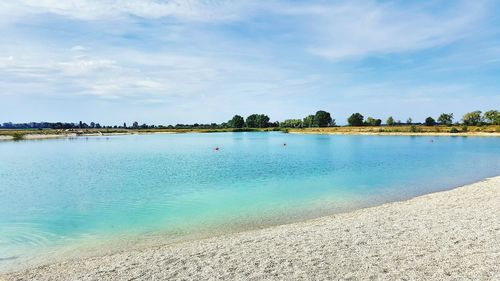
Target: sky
x,y
168,62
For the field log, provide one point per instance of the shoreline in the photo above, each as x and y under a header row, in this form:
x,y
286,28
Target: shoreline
x,y
303,132
430,236
423,134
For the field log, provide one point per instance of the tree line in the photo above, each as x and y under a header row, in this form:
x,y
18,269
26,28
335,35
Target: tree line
x,y
92,125
324,119
320,119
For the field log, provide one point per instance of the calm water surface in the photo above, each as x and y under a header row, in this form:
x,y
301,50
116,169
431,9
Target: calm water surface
x,y
58,193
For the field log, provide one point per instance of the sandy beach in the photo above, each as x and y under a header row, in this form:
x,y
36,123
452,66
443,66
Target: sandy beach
x,y
451,235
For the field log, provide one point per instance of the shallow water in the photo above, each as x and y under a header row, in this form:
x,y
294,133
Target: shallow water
x,y
62,192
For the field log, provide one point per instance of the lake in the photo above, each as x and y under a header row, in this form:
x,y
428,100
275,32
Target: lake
x,y
58,195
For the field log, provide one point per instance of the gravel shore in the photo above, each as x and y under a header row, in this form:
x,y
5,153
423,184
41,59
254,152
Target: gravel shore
x,y
451,235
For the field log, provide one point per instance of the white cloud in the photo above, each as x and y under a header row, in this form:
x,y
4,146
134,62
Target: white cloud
x,y
334,30
78,48
126,74
86,66
360,29
197,10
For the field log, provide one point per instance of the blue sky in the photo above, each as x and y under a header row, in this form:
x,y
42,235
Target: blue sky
x,y
167,62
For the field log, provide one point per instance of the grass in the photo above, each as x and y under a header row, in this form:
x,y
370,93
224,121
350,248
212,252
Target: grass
x,y
404,129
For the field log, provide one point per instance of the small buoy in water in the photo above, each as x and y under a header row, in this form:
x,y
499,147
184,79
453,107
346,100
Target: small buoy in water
x,y
216,149
284,144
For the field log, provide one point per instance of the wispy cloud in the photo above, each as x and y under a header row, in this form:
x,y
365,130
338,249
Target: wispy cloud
x,y
357,30
334,30
195,10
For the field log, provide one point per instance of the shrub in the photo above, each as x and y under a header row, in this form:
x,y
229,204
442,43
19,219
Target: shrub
x,y
17,136
465,128
413,129
373,122
291,123
453,130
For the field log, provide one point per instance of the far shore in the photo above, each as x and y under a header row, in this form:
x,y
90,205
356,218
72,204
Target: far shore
x,y
449,235
479,131
403,130
436,134
31,136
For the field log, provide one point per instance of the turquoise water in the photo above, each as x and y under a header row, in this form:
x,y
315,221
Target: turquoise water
x,y
55,193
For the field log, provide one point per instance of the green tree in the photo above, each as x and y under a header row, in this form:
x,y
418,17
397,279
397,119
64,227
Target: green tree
x,y
251,121
257,121
236,122
446,119
308,121
373,122
492,117
472,118
409,121
323,119
429,121
263,121
390,121
291,123
356,119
